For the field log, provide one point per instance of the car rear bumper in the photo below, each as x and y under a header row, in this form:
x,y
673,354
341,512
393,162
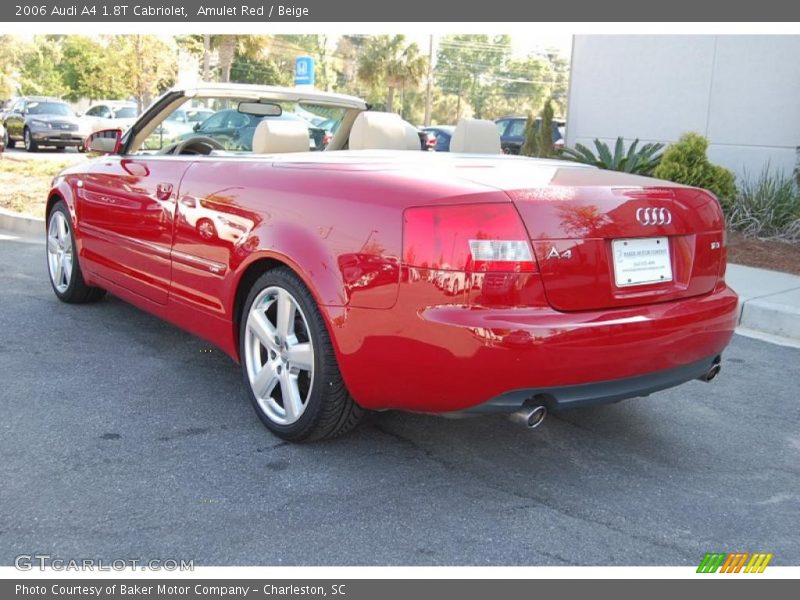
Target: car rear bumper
x,y
429,354
598,392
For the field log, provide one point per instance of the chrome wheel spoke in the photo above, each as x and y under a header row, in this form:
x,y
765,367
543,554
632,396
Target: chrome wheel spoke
x,y
260,326
301,357
292,403
59,274
62,229
52,244
265,381
67,268
285,315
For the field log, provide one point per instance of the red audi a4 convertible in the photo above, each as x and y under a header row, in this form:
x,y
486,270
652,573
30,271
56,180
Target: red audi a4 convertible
x,y
370,275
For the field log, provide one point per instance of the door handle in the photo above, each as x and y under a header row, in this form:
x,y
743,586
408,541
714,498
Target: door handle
x,y
164,191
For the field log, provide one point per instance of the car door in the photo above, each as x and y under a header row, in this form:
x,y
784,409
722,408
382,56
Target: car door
x,y
126,210
15,120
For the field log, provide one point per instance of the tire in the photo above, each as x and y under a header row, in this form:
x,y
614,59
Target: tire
x,y
7,141
28,142
67,282
323,407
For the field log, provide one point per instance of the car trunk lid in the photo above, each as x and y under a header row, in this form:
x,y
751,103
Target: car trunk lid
x,y
605,239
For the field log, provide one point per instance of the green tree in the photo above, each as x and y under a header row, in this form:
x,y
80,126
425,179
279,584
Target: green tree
x,y
39,72
387,62
10,50
89,70
261,72
149,64
469,65
539,133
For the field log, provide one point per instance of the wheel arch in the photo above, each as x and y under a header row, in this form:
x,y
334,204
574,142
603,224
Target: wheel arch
x,y
255,267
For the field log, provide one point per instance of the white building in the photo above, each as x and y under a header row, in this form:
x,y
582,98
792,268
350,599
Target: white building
x,y
740,91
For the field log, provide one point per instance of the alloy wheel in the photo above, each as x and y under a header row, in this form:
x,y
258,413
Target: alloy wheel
x,y
279,355
59,251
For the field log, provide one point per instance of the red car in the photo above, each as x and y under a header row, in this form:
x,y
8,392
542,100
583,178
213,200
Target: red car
x,y
370,277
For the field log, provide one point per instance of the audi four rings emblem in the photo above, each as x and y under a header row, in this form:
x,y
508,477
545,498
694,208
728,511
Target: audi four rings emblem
x,y
653,216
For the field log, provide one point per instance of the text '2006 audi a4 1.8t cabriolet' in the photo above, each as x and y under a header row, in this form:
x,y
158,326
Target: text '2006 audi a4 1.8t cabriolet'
x,y
367,275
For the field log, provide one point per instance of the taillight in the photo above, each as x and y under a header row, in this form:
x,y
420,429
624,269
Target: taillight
x,y
470,237
326,138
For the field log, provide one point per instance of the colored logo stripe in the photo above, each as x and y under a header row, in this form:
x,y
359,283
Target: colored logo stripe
x,y
733,562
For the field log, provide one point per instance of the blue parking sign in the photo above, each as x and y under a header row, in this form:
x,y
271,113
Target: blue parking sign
x,y
304,70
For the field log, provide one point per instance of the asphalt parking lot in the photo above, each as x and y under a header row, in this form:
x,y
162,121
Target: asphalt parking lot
x,y
123,437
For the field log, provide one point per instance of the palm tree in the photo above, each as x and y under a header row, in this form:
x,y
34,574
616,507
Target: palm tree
x,y
406,69
230,46
388,61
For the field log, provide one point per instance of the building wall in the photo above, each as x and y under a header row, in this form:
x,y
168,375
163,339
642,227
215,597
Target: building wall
x,y
741,92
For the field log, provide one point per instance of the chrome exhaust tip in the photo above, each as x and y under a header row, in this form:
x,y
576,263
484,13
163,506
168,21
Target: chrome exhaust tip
x,y
530,417
712,372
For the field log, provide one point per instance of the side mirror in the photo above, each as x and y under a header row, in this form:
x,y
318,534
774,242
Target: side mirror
x,y
105,141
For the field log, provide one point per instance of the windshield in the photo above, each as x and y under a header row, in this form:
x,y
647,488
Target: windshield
x,y
221,120
50,108
126,112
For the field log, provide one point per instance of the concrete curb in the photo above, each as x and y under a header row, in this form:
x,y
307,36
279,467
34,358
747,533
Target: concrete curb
x,y
769,301
23,224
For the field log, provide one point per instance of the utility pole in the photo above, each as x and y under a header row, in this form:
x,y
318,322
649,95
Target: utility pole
x,y
206,57
429,91
458,105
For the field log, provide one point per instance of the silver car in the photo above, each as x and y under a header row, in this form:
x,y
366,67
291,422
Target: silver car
x,y
39,121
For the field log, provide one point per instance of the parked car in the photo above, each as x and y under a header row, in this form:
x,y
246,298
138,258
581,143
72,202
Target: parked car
x,y
197,115
382,278
441,135
234,130
2,138
109,114
39,121
512,133
427,141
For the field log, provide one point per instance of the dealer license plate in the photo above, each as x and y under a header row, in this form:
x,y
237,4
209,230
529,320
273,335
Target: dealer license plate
x,y
640,261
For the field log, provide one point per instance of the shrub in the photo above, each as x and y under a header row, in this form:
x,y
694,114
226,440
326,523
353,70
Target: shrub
x,y
767,207
539,134
686,162
641,161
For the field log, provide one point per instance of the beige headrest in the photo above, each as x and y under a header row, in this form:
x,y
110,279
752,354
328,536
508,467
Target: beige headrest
x,y
412,137
379,131
275,136
475,136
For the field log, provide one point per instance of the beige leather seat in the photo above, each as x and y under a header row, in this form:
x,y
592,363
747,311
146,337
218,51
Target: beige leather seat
x,y
277,136
476,136
382,131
